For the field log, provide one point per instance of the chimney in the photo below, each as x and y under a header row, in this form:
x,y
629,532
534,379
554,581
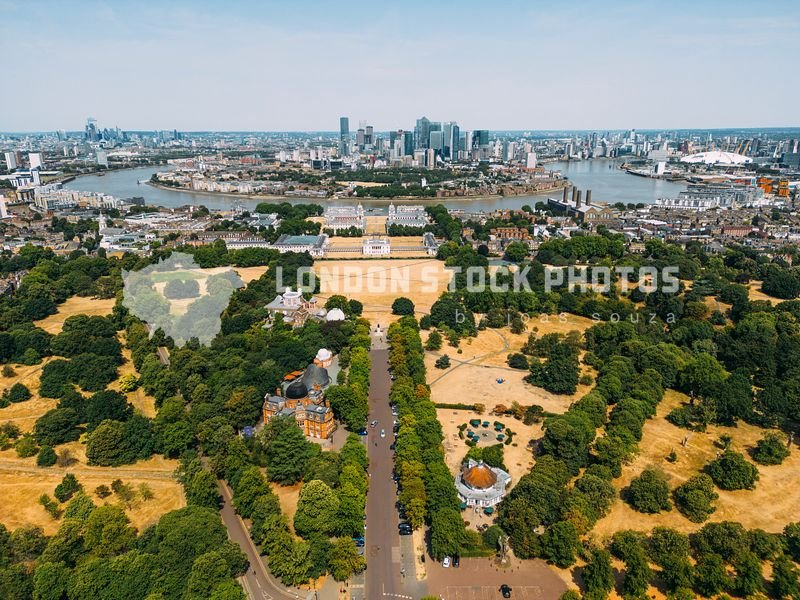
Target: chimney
x,y
578,199
588,197
574,194
566,191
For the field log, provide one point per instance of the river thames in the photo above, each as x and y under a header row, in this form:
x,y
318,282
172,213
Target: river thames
x,y
607,182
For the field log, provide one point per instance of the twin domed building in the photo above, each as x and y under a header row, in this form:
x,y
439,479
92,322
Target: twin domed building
x,y
302,396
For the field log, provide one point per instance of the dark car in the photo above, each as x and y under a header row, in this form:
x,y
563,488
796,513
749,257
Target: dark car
x,y
363,431
392,446
359,541
405,529
505,590
456,561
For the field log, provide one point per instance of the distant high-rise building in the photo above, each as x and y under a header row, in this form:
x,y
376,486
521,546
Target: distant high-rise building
x,y
531,160
436,142
480,138
344,136
450,134
360,138
369,138
91,133
11,161
35,160
422,132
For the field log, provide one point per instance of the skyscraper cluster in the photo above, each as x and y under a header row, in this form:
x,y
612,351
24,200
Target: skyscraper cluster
x,y
428,142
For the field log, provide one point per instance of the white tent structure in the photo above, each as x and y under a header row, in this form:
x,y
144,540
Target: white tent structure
x,y
717,157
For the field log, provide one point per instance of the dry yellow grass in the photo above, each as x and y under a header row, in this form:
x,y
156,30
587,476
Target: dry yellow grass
x,y
770,506
21,492
25,414
474,374
376,283
288,496
754,293
75,305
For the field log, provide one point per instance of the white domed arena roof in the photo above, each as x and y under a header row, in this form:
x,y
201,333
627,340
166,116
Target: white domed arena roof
x,y
717,157
323,354
335,314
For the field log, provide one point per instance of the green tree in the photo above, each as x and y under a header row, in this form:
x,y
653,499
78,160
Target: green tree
x,y
710,575
447,533
285,449
598,575
344,560
785,578
108,531
694,498
560,544
771,449
516,252
67,488
434,341
402,306
649,492
732,471
50,581
443,362
317,508
18,393
46,457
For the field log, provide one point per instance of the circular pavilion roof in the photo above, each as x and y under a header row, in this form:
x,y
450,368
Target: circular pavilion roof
x,y
479,477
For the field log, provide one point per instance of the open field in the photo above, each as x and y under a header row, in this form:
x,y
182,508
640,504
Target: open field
x,y
474,374
754,293
770,506
23,482
377,283
25,414
76,305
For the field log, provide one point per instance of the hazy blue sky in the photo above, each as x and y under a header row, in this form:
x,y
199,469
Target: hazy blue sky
x,y
297,65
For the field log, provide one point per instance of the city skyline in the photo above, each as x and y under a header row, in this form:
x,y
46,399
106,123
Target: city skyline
x,y
145,66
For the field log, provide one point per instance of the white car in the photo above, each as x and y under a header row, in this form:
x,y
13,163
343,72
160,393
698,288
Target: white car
x,y
373,424
446,562
383,433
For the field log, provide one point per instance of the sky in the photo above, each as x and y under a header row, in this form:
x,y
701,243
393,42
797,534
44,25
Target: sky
x,y
300,65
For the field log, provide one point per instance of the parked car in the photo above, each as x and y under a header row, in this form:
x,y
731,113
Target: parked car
x,y
392,446
446,562
505,590
359,541
363,431
456,561
373,424
383,433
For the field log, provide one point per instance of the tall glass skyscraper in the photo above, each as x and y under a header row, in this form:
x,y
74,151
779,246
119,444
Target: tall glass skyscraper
x,y
344,136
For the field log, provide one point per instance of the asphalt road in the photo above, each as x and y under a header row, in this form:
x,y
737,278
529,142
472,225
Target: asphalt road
x,y
257,582
382,539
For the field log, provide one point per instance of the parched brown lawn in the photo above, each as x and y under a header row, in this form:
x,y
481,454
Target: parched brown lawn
x,y
754,293
23,483
770,506
76,305
139,399
288,496
474,374
376,283
25,414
